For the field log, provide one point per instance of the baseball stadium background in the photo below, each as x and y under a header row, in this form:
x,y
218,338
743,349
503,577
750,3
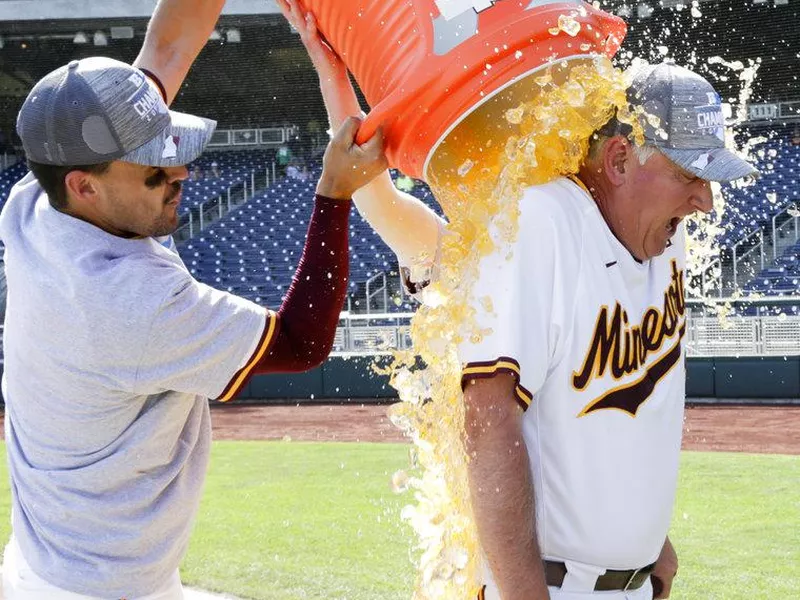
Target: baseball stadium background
x,y
306,489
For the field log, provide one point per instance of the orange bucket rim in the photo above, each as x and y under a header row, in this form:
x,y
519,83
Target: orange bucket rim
x,y
491,95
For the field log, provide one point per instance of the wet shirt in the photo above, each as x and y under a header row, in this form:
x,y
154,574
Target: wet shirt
x,y
595,342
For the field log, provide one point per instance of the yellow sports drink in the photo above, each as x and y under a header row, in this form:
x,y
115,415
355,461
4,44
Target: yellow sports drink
x,y
525,136
480,99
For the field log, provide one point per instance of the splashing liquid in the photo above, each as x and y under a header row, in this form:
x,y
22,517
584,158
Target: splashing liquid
x,y
533,132
704,232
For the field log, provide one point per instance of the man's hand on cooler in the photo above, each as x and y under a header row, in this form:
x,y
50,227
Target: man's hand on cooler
x,y
665,570
347,166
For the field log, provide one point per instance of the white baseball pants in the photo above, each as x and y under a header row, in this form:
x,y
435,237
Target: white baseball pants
x,y
643,593
21,583
587,593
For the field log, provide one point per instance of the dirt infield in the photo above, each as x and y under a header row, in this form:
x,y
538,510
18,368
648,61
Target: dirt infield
x,y
772,430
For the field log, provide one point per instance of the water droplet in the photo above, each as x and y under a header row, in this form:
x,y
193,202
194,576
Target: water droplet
x,y
514,115
400,482
465,168
576,95
569,25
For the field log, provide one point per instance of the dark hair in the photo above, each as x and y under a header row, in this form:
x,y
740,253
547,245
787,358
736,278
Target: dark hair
x,y
52,179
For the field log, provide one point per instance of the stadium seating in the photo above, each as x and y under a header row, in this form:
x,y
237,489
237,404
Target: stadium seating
x,y
780,279
253,251
8,178
234,168
754,207
751,208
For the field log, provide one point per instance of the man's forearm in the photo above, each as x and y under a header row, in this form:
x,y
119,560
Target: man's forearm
x,y
339,98
310,312
503,505
177,32
404,223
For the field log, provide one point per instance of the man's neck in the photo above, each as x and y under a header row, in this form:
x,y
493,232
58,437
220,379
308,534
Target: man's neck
x,y
600,192
99,223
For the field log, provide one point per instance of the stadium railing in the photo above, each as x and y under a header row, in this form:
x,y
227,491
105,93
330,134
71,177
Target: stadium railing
x,y
785,230
253,137
773,111
748,259
715,327
213,209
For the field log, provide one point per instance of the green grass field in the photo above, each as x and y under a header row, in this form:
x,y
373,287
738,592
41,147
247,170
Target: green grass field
x,y
292,520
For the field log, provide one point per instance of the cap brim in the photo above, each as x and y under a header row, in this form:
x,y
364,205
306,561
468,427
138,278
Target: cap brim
x,y
179,144
715,164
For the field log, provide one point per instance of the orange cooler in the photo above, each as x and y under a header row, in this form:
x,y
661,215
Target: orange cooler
x,y
424,65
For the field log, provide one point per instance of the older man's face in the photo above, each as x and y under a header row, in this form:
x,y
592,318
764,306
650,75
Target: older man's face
x,y
660,195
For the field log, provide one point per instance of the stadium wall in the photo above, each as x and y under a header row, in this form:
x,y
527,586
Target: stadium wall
x,y
760,379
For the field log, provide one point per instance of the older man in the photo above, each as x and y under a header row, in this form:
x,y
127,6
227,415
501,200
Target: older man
x,y
575,400
112,349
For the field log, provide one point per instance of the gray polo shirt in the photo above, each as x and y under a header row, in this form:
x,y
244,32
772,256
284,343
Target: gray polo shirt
x,y
112,350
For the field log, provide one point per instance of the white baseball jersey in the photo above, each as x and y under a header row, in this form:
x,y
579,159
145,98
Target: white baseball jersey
x,y
594,338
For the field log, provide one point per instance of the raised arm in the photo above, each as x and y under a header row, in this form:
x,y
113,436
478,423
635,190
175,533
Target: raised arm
x,y
177,32
407,225
308,317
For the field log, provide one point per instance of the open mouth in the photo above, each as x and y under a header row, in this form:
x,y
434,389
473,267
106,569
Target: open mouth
x,y
672,226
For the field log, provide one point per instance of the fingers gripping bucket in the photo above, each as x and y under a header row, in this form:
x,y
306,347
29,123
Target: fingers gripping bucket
x,y
424,65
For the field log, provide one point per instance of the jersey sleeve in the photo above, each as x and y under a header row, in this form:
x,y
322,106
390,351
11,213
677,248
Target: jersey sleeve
x,y
517,326
204,341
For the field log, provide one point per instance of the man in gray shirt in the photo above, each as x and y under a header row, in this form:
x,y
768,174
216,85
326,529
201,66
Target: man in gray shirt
x,y
112,349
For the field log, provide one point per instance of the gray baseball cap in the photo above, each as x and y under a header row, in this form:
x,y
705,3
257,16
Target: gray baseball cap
x,y
689,127
99,109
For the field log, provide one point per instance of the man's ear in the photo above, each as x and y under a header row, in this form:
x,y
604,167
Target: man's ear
x,y
82,188
616,156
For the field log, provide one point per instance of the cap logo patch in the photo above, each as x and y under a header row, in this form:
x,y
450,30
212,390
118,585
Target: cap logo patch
x,y
171,146
710,120
702,161
149,104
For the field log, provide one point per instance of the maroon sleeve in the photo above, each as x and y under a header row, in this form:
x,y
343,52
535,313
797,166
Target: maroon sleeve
x,y
309,315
